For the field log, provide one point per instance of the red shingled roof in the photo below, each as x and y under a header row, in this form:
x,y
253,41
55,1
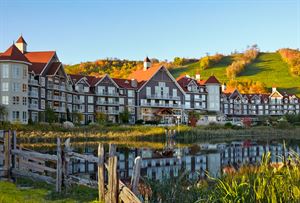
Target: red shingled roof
x,y
141,75
124,83
212,80
39,60
14,54
21,40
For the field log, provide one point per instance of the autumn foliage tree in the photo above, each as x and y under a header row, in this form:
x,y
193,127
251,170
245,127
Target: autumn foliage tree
x,y
248,86
242,61
292,58
208,61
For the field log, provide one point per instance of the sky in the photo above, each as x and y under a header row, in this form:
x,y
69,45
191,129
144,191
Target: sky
x,y
87,30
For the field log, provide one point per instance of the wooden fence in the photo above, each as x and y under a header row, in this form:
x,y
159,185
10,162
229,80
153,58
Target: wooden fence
x,y
16,161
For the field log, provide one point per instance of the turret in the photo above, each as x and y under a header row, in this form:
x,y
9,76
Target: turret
x,y
21,44
147,64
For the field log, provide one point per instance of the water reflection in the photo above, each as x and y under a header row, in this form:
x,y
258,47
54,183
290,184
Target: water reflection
x,y
195,160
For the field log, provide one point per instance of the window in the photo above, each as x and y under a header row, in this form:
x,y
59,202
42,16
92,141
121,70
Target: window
x,y
5,100
5,87
24,101
16,87
16,100
148,91
121,101
5,71
90,108
174,92
16,73
130,102
188,97
130,93
24,88
81,99
25,72
90,99
24,116
43,81
43,104
16,115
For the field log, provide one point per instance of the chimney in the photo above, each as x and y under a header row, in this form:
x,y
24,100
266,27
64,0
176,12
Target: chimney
x,y
147,64
133,83
274,89
197,76
187,76
223,87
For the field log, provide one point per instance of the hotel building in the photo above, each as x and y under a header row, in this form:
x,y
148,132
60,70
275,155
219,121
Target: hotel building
x,y
32,81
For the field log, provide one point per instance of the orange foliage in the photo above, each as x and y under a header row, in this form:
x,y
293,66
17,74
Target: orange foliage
x,y
291,57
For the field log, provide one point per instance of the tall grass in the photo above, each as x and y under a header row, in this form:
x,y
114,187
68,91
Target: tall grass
x,y
264,183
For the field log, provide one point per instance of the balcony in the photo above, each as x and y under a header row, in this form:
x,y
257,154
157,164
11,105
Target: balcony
x,y
33,107
56,87
113,112
59,109
57,98
198,99
99,102
33,94
162,105
33,82
103,93
158,96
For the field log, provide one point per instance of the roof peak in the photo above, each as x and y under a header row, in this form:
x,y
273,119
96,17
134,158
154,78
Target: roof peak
x,y
147,59
21,40
14,54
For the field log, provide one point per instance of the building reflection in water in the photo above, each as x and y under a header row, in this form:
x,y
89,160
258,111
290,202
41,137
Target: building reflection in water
x,y
196,160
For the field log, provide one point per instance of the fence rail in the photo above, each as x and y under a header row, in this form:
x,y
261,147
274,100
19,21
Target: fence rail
x,y
16,161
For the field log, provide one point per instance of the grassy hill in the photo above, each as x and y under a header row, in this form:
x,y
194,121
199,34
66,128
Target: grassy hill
x,y
267,68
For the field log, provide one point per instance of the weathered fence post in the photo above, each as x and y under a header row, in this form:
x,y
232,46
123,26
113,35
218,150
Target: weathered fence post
x,y
58,167
7,155
14,158
113,181
136,174
101,186
66,161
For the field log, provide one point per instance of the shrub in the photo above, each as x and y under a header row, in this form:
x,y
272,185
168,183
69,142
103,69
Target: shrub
x,y
139,122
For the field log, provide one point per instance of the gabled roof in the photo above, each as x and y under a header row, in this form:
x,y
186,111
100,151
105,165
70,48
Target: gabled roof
x,y
144,75
53,68
13,54
90,80
21,40
212,80
39,60
184,81
124,83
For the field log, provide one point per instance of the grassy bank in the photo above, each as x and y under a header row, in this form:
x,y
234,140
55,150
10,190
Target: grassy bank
x,y
155,134
263,183
35,192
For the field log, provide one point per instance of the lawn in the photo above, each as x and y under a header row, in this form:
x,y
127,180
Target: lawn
x,y
39,192
267,68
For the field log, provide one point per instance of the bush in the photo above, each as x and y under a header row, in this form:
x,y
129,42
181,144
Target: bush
x,y
151,122
228,125
139,122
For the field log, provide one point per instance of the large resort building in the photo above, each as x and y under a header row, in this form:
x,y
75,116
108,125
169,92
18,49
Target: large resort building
x,y
32,81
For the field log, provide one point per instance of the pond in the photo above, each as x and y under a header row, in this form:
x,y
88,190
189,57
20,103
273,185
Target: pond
x,y
169,158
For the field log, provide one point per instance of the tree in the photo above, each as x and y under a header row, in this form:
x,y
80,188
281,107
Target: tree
x,y
178,61
100,117
50,115
3,113
124,116
77,117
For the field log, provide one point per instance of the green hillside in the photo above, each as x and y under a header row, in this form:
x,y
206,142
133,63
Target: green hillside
x,y
267,68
